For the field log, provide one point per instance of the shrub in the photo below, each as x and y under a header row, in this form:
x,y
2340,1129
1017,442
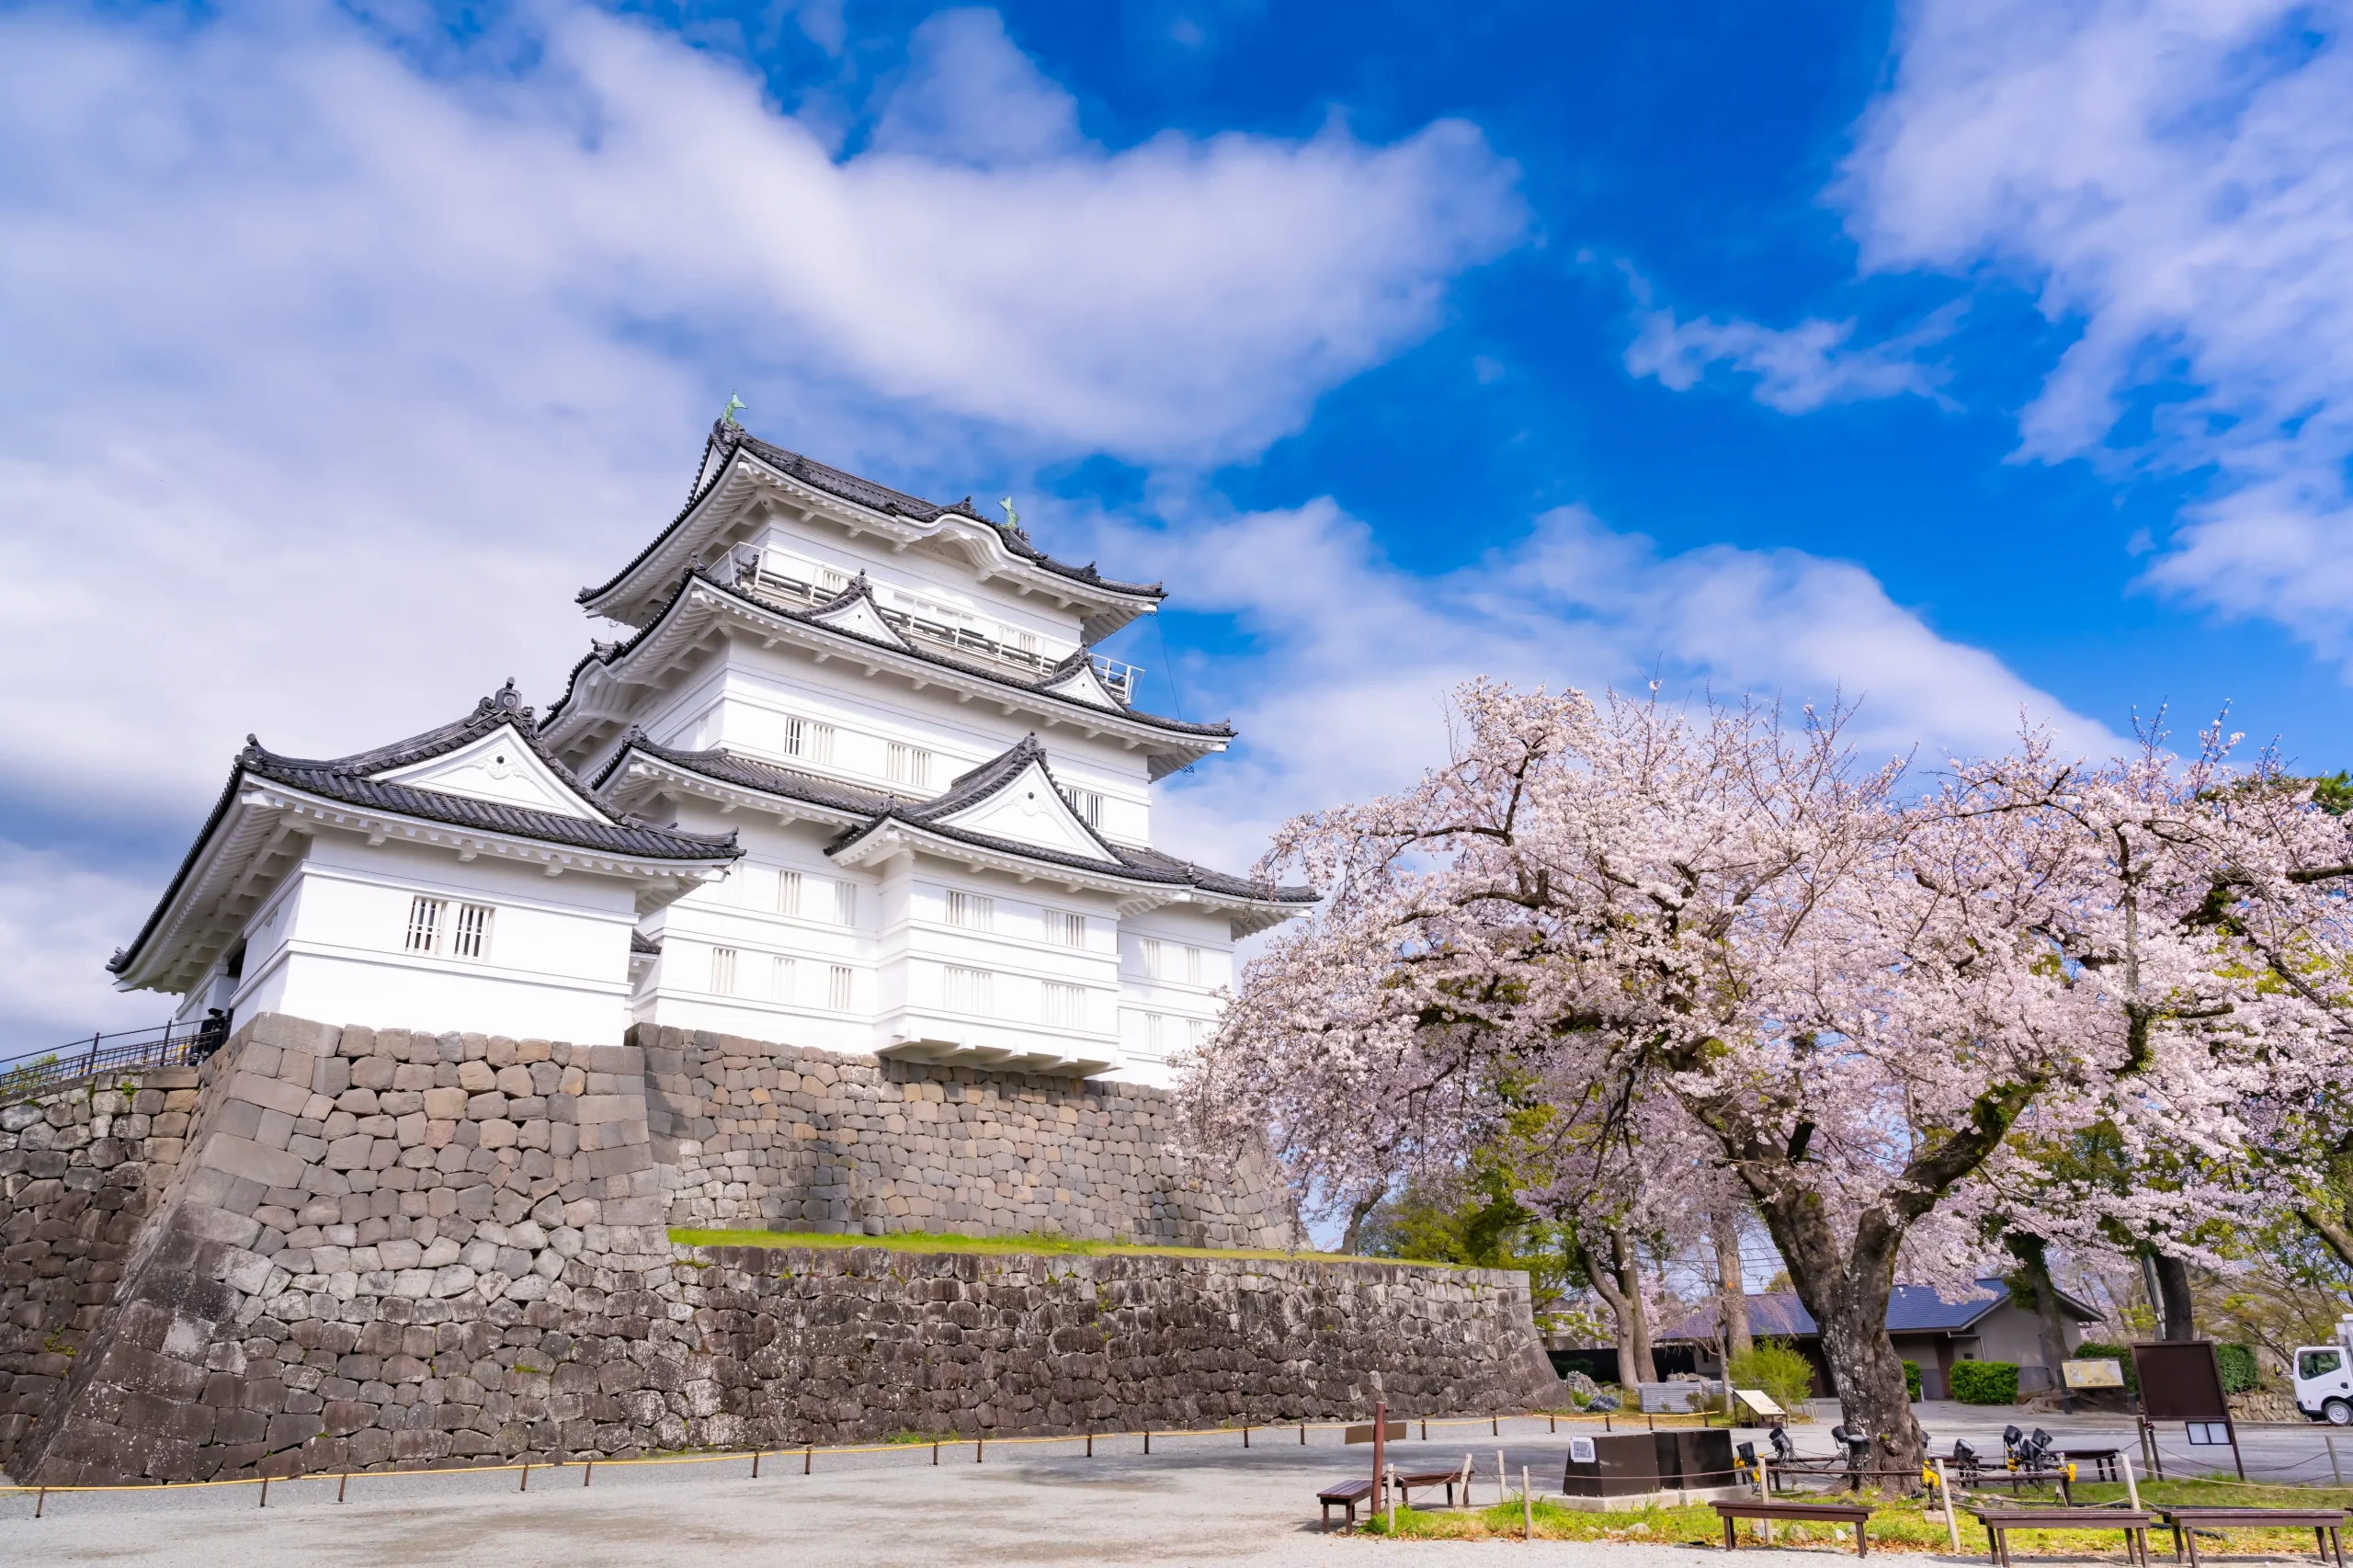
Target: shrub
x,y
1985,1382
1779,1368
1912,1381
2241,1371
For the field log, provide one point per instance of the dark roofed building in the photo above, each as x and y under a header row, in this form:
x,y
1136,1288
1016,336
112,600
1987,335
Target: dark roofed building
x,y
1927,1330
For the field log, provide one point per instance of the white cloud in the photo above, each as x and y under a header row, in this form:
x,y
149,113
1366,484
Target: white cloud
x,y
2176,175
337,362
58,920
1798,369
1352,657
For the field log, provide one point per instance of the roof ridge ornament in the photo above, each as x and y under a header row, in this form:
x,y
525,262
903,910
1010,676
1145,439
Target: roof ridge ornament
x,y
735,405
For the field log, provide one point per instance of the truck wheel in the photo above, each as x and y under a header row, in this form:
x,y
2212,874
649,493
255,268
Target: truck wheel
x,y
2337,1412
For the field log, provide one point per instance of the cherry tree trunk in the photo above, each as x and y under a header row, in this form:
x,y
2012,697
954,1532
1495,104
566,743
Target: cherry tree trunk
x,y
1732,1285
1845,1287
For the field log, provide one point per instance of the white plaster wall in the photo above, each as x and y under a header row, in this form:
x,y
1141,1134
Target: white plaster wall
x,y
1185,1006
331,945
949,580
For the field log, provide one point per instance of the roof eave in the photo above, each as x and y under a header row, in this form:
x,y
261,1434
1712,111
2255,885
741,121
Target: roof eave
x,y
633,761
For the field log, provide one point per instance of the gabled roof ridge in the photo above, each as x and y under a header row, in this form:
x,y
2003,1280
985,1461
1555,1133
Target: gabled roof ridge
x,y
721,765
609,653
861,492
975,785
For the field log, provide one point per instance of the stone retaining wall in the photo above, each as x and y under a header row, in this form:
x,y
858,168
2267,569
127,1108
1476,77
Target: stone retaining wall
x,y
756,1135
362,1248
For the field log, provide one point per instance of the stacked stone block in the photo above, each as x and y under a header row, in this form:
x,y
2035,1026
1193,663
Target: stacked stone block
x,y
768,1136
372,1248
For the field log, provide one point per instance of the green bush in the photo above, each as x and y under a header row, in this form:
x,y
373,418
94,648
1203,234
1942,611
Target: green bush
x,y
1912,1381
2100,1350
2241,1371
1779,1368
1985,1382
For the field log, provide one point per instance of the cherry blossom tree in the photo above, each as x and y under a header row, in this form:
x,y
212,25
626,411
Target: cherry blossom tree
x,y
1862,1003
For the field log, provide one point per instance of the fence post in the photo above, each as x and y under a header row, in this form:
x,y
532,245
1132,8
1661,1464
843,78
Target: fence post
x,y
809,1458
2132,1487
40,1502
1527,1508
525,1483
935,1451
265,1492
978,1444
1302,1433
341,1485
588,1470
1944,1490
755,1464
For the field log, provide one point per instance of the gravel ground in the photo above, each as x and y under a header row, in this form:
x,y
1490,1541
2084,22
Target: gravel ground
x,y
1192,1500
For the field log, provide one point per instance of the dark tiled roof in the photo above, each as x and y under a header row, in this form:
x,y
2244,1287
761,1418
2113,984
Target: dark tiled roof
x,y
727,768
638,942
1911,1309
347,779
613,652
875,498
968,788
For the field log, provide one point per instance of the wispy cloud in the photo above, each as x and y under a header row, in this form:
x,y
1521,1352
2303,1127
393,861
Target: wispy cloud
x,y
2176,175
1353,657
1797,369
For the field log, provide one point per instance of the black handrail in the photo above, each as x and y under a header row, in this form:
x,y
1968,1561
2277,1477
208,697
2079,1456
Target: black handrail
x,y
163,1045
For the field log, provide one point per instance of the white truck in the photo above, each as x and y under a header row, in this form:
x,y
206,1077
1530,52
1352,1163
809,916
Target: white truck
x,y
2324,1375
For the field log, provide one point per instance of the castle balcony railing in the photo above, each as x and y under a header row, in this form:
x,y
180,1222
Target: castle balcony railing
x,y
987,642
128,1050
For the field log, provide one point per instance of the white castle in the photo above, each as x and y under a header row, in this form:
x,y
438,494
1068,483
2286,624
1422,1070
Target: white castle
x,y
856,781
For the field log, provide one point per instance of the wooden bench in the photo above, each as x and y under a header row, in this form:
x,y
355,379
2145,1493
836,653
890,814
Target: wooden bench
x,y
2000,1522
1855,1514
1348,1493
2102,1460
2324,1523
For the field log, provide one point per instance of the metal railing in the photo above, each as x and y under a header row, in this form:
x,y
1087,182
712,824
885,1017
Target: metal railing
x,y
163,1045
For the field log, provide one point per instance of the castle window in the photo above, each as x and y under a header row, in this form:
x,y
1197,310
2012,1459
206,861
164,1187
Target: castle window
x,y
788,893
780,979
472,937
1065,1007
424,924
1192,966
845,904
1068,929
1087,804
1196,1032
1156,1034
837,988
1151,960
832,579
975,911
910,766
808,740
968,991
723,970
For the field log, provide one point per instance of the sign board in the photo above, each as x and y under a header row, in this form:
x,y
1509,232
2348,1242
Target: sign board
x,y
2093,1374
2209,1433
2181,1379
1364,1434
1758,1400
1581,1450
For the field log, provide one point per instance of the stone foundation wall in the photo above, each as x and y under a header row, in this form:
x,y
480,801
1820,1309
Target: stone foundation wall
x,y
756,1135
365,1248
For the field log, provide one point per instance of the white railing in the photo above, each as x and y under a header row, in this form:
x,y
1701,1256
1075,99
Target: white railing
x,y
750,567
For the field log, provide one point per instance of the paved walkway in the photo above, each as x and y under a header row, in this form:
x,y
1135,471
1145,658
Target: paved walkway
x,y
1200,1499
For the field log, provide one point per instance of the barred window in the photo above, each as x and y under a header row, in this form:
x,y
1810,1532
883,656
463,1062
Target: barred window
x,y
1192,966
424,924
808,740
975,911
845,904
723,970
968,991
1065,1005
788,893
472,937
1196,1033
833,579
1068,929
780,977
1087,804
1156,1034
910,766
837,988
1152,967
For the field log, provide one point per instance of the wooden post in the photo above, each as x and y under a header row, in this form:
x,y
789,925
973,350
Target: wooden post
x,y
1944,1490
1090,1445
1604,1420
809,1457
1426,1428
2232,1428
340,1485
265,1492
40,1502
1391,1477
1302,1433
755,1464
979,1444
588,1470
2334,1468
935,1450
1246,1434
1552,1421
1495,1425
2132,1487
1380,1444
1147,1439
526,1486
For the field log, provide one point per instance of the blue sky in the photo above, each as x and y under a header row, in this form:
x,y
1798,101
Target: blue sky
x,y
1972,358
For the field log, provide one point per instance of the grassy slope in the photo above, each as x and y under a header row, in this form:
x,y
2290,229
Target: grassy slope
x,y
1901,1526
1002,1246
